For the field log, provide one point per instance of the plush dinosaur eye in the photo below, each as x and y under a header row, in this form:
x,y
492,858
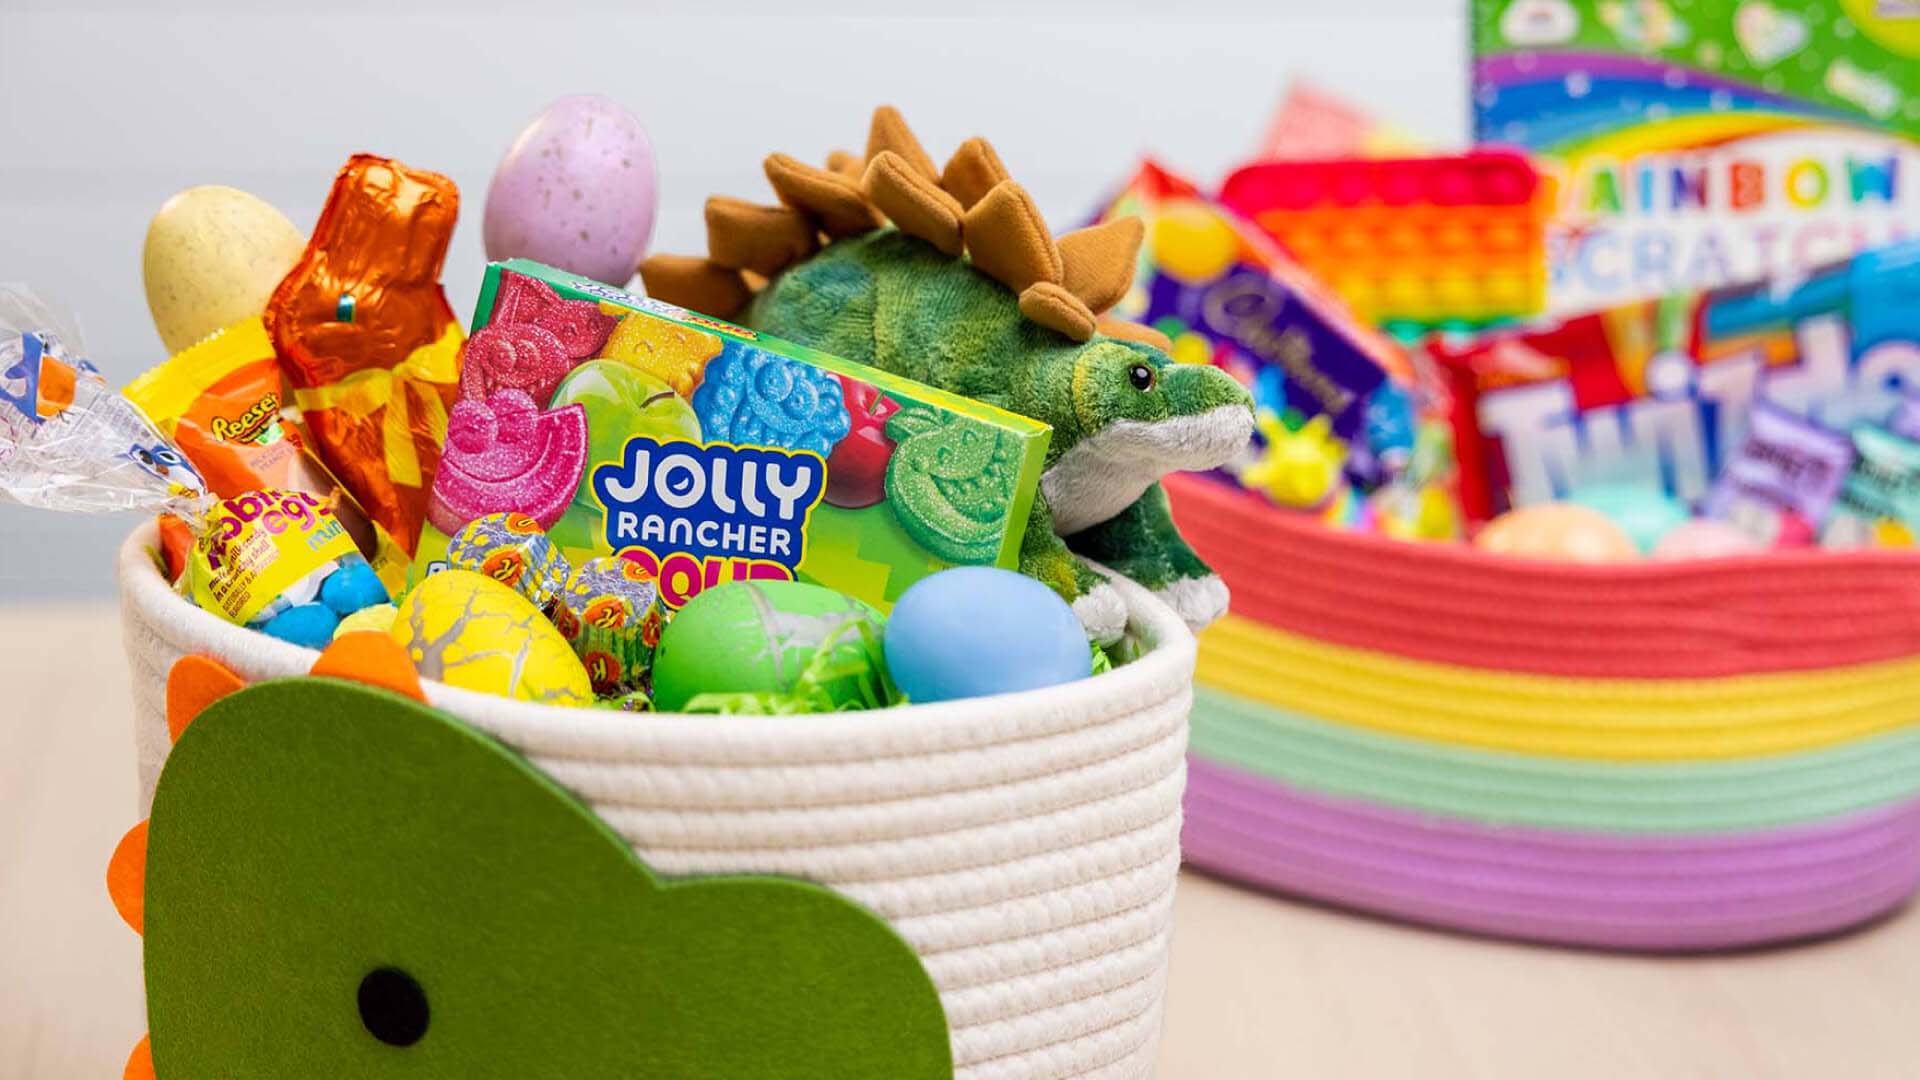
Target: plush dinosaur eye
x,y
393,1007
1141,376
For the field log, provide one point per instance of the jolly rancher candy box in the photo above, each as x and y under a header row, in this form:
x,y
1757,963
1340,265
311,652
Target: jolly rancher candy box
x,y
707,453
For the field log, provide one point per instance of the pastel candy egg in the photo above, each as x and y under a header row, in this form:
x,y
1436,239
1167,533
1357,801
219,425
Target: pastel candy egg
x,y
468,630
1645,514
757,637
213,255
1704,539
311,625
978,630
1558,531
378,618
576,190
352,587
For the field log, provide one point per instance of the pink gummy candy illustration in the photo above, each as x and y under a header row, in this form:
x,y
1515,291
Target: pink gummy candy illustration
x,y
513,357
579,324
504,455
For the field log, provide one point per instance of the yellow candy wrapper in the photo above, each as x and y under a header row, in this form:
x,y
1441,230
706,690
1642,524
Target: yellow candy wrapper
x,y
258,547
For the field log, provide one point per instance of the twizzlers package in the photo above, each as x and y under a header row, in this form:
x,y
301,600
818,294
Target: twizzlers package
x,y
1659,393
707,452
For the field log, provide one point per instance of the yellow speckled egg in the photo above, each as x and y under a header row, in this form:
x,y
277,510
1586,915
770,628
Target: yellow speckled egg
x,y
1565,532
213,257
468,630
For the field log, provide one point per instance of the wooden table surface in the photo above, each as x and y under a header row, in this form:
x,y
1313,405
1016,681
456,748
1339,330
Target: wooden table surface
x,y
1260,987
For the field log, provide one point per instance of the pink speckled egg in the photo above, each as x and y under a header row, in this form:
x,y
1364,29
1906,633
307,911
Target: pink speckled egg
x,y
1704,539
576,190
1565,532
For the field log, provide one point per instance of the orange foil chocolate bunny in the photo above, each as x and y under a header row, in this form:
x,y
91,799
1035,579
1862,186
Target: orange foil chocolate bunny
x,y
367,339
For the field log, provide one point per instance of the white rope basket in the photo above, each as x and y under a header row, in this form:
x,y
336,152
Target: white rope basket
x,y
1026,845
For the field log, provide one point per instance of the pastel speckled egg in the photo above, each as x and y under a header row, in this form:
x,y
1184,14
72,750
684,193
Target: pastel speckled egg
x,y
977,630
576,190
756,637
1558,531
213,256
468,630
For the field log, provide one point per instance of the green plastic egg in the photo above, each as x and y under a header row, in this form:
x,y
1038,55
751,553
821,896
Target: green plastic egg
x,y
757,637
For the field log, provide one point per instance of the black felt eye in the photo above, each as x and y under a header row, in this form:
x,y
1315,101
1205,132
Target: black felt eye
x,y
1141,376
393,1007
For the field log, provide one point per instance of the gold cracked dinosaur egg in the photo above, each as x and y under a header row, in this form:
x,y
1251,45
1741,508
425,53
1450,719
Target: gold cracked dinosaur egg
x,y
468,630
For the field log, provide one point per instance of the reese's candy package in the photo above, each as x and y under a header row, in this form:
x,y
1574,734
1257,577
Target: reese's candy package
x,y
220,402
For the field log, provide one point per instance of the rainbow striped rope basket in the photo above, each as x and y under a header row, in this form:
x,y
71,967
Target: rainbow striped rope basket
x,y
1662,756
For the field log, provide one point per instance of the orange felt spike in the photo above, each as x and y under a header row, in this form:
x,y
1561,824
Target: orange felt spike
x,y
1009,241
1133,331
127,877
889,132
851,166
913,202
140,1062
763,239
972,171
195,683
695,284
1100,260
373,658
830,198
1053,307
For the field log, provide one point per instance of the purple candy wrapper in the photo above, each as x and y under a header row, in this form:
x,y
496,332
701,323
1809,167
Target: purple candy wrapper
x,y
1787,463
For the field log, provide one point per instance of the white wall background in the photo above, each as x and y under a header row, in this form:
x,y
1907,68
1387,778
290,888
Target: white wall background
x,y
107,108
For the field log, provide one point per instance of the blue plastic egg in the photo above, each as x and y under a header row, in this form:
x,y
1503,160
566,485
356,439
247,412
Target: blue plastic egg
x,y
311,625
351,587
1642,513
977,630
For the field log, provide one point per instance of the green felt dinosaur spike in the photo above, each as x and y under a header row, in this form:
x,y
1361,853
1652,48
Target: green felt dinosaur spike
x,y
343,882
1015,321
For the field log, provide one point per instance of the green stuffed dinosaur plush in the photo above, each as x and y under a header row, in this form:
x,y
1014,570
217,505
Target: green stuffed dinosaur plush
x,y
339,881
968,291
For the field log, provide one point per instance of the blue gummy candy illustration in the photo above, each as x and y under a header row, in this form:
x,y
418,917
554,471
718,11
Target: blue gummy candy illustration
x,y
752,398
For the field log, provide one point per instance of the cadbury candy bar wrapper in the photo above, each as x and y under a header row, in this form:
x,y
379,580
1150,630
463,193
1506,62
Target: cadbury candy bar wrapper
x,y
611,613
514,551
